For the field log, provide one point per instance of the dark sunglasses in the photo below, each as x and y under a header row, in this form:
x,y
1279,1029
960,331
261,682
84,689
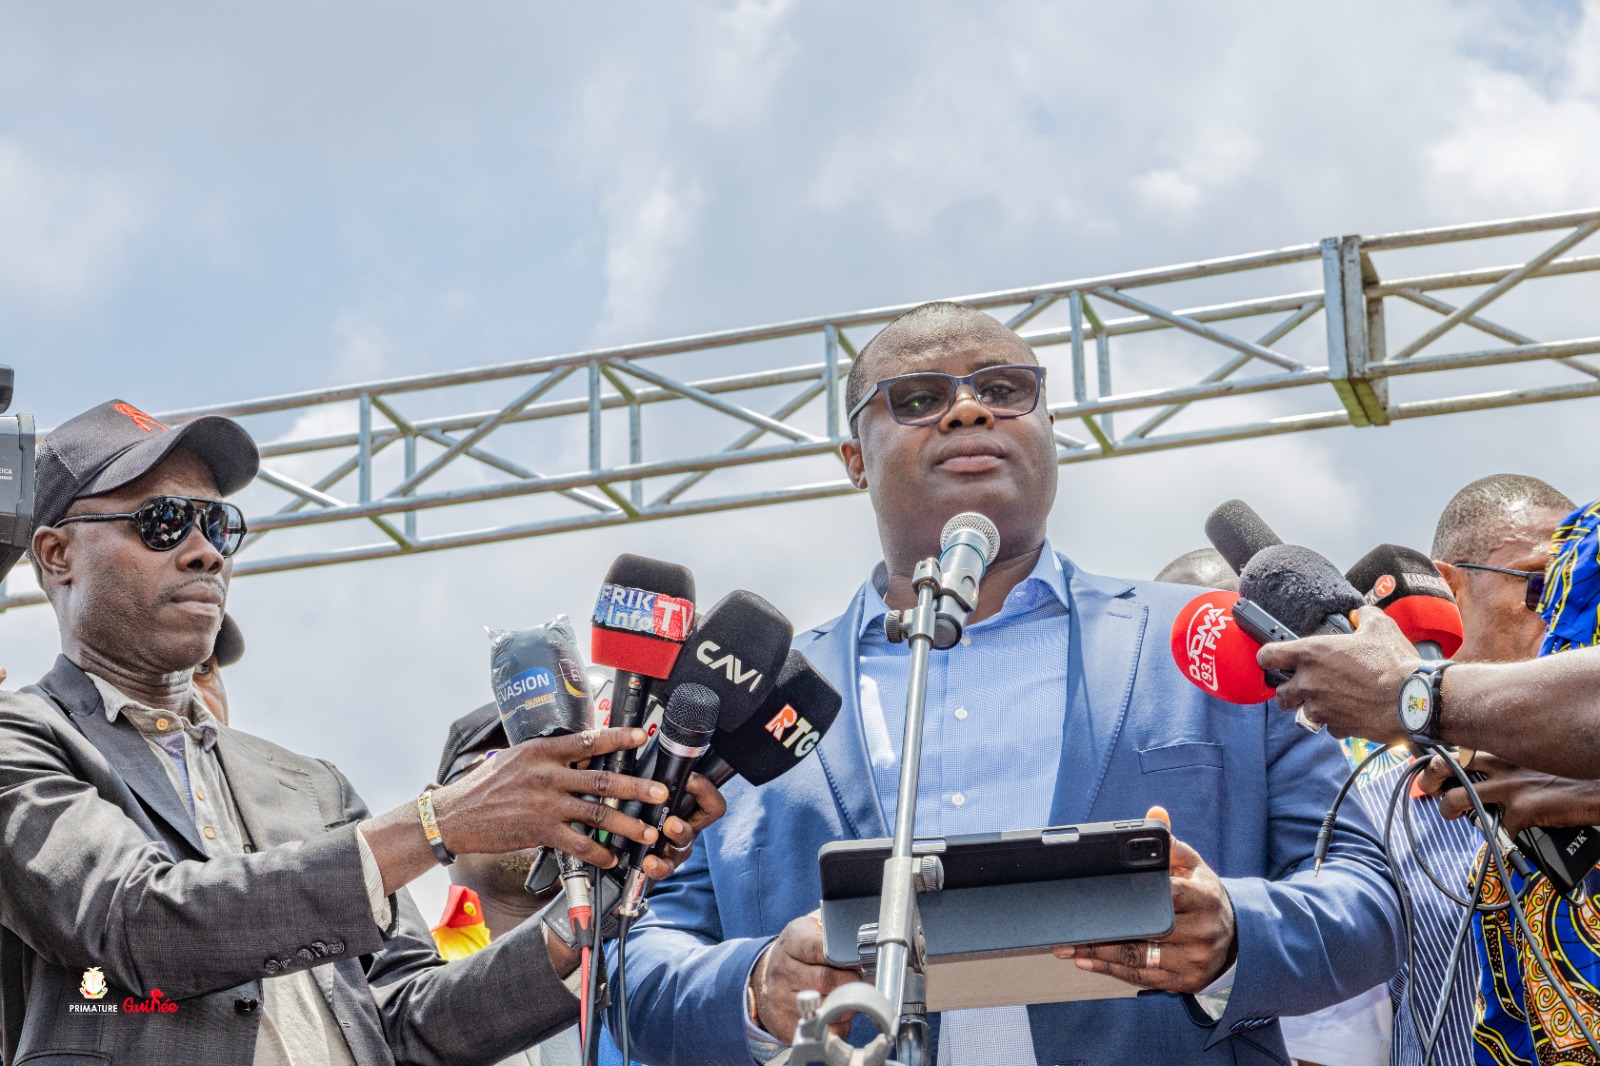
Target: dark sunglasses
x,y
923,399
164,521
1535,578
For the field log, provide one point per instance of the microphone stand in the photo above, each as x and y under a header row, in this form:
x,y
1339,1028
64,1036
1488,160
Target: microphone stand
x,y
892,952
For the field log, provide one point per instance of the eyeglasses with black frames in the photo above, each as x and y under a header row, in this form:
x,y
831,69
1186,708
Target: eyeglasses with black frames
x,y
1535,578
924,398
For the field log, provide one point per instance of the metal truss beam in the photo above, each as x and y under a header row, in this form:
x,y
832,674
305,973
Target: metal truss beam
x,y
585,413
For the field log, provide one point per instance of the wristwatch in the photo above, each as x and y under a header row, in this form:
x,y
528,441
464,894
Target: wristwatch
x,y
1421,700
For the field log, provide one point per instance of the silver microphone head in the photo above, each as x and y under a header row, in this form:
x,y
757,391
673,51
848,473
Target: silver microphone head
x,y
977,523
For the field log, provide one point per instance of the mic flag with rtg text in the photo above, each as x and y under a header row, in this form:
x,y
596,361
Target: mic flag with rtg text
x,y
540,685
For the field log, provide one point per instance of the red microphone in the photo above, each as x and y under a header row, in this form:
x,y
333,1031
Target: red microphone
x,y
1214,653
641,618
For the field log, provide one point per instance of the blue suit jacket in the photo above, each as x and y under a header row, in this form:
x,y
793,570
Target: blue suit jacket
x,y
1245,786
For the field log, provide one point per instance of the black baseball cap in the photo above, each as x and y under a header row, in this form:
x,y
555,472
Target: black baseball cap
x,y
115,443
468,734
229,646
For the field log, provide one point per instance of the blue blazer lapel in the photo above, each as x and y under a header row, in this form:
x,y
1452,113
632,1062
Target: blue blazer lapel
x,y
843,752
1107,633
123,747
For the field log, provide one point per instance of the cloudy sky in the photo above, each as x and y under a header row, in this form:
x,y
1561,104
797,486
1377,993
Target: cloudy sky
x,y
202,203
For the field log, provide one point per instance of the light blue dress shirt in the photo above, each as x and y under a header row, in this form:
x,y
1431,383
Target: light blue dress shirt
x,y
991,748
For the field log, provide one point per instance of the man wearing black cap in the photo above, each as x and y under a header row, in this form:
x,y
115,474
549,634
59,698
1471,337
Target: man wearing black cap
x,y
176,891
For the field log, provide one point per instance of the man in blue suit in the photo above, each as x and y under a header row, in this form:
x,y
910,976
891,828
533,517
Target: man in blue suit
x,y
1061,705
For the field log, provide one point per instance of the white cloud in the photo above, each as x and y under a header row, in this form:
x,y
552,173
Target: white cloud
x,y
62,231
746,51
363,346
648,224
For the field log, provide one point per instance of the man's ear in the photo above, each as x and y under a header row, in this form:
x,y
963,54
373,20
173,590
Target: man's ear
x,y
52,552
1453,577
850,452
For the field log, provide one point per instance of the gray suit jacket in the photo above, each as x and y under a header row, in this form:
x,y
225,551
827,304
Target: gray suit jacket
x,y
100,865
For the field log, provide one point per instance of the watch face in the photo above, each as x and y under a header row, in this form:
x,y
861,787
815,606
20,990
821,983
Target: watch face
x,y
1415,703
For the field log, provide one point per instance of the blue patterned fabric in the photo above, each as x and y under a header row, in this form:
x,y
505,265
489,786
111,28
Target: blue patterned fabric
x,y
1521,1019
1571,602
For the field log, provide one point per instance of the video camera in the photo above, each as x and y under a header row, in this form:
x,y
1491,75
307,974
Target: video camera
x,y
16,479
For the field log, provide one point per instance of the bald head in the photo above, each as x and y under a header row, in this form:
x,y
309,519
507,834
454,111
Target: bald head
x,y
1204,567
929,328
1476,518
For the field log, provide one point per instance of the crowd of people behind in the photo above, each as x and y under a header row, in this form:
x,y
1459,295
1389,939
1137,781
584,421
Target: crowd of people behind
x,y
174,889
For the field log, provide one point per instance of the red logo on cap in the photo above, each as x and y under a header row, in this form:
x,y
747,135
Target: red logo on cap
x,y
138,417
1384,586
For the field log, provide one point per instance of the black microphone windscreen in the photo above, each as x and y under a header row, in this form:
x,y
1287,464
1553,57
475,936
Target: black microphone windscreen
x,y
1404,584
789,724
1298,587
539,682
736,650
1408,573
691,714
1238,533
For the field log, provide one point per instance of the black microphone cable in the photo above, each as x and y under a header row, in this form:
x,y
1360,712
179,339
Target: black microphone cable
x,y
625,924
1429,1040
591,1038
1504,866
1472,905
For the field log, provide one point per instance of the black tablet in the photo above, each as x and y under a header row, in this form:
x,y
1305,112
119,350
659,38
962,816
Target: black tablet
x,y
1007,899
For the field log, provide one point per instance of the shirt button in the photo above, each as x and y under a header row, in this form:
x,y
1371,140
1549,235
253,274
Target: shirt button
x,y
162,723
211,834
966,640
959,800
961,714
199,793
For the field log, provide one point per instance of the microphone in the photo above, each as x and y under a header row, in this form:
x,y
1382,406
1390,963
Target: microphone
x,y
776,738
772,741
736,650
1301,589
644,610
967,546
1404,584
1286,591
686,730
541,690
1215,653
1238,533
539,683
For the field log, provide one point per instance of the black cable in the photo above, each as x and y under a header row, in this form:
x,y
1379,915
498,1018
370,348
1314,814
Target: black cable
x,y
591,1038
624,923
1325,834
1468,916
1503,865
1397,801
